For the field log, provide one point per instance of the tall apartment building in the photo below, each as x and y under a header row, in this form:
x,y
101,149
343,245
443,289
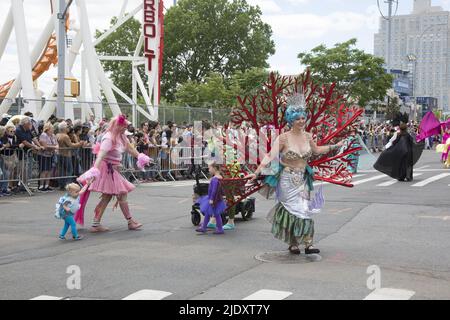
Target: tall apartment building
x,y
425,34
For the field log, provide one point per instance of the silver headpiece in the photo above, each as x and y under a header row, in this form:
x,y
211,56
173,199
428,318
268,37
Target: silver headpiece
x,y
296,101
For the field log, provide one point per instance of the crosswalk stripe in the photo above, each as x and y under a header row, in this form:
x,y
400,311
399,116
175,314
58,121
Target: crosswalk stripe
x,y
432,179
148,295
390,294
431,170
266,294
178,184
46,298
393,181
369,179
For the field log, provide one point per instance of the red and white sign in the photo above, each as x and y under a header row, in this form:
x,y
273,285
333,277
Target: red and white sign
x,y
150,31
153,43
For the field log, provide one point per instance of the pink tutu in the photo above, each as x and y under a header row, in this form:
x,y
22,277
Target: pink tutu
x,y
111,181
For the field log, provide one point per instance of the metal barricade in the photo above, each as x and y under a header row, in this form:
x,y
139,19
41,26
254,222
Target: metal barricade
x,y
155,168
190,161
181,160
28,169
164,163
11,169
130,169
62,166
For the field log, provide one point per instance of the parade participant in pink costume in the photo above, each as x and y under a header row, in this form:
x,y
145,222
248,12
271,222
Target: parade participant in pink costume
x,y
108,179
445,137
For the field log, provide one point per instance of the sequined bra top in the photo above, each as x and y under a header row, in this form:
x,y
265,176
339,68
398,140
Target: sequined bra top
x,y
294,156
291,155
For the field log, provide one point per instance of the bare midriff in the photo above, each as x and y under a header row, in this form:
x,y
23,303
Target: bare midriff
x,y
294,165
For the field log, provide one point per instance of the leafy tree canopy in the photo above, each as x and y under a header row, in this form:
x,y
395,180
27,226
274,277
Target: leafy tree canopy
x,y
358,74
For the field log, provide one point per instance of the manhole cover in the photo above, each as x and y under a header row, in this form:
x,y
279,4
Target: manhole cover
x,y
286,257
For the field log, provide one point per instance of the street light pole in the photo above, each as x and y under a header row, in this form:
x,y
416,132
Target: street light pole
x,y
389,42
60,107
414,89
413,58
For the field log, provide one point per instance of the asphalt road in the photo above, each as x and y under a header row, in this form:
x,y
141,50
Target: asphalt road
x,y
379,239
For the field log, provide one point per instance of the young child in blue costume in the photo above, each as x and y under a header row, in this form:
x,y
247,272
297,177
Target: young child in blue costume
x,y
66,208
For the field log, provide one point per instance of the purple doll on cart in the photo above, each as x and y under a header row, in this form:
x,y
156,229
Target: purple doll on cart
x,y
213,205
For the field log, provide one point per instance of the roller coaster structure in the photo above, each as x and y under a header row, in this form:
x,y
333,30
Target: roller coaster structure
x,y
45,54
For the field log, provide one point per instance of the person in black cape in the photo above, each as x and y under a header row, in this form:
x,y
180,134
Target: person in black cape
x,y
398,160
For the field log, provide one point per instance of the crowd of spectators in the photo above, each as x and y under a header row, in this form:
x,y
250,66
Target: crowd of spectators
x,y
62,148
55,151
376,135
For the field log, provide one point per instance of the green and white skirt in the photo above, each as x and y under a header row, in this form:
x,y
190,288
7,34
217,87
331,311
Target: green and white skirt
x,y
289,228
291,218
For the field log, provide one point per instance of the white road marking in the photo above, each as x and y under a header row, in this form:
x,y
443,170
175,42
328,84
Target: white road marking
x,y
394,181
369,179
390,294
443,218
46,298
361,173
336,211
15,200
432,170
148,295
432,179
268,295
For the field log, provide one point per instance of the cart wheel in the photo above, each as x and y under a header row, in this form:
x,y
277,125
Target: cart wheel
x,y
195,218
195,215
248,208
247,215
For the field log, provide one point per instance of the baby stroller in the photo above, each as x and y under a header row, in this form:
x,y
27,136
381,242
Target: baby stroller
x,y
237,193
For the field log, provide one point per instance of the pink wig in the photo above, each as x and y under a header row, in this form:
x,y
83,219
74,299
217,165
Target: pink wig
x,y
115,127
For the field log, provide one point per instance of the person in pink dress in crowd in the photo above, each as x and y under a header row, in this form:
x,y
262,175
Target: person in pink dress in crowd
x,y
445,137
106,172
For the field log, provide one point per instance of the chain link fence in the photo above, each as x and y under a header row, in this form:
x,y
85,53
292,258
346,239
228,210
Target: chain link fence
x,y
137,113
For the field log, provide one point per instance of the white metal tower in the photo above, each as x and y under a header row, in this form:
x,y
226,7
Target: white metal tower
x,y
34,63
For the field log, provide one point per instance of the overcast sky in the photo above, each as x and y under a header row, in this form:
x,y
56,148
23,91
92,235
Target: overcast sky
x,y
298,25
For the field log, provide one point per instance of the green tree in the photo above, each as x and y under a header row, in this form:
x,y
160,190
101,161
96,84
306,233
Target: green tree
x,y
392,107
250,81
358,74
204,36
220,92
189,94
212,92
122,42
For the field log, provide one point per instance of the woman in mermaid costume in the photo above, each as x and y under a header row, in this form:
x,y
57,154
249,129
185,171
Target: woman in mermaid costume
x,y
292,217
